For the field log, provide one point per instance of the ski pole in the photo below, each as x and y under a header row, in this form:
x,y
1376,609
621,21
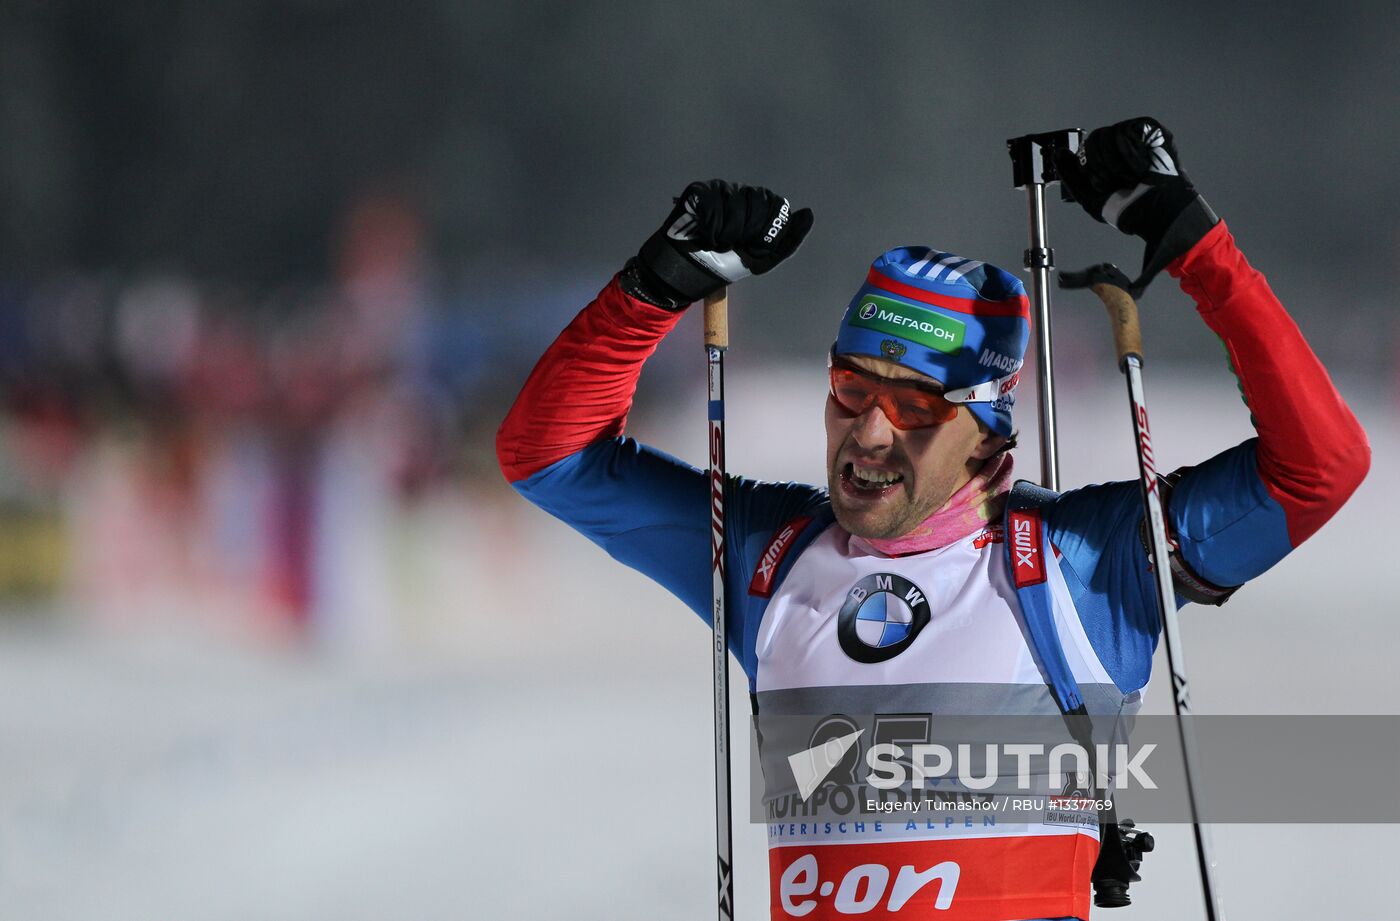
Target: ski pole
x,y
716,342
1111,286
1033,168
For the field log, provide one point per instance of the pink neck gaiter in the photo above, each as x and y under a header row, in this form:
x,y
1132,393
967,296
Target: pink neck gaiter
x,y
971,508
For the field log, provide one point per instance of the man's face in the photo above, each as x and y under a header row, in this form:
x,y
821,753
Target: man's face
x,y
883,480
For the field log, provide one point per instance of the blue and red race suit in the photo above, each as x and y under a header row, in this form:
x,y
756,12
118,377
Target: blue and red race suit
x,y
790,567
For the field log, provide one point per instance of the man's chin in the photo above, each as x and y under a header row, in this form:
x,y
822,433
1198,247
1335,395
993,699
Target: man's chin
x,y
877,524
873,517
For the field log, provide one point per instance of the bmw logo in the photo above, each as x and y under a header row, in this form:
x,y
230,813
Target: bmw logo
x,y
867,310
882,614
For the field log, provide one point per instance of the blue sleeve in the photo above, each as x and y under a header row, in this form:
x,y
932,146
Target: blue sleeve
x,y
1101,557
650,511
1229,528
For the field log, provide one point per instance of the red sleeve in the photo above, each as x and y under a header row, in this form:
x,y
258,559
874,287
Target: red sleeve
x,y
1312,452
581,388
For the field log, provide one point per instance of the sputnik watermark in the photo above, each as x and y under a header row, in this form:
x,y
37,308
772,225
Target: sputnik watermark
x,y
932,761
938,771
893,767
1035,804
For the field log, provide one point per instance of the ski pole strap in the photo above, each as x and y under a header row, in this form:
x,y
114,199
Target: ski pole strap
x,y
1029,563
1187,583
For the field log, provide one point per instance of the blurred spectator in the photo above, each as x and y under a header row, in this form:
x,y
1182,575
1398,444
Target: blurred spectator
x,y
171,446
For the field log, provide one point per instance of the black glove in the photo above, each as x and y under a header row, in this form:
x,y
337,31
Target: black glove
x,y
718,233
1129,175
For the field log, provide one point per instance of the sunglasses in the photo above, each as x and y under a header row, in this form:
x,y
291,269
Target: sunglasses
x,y
907,404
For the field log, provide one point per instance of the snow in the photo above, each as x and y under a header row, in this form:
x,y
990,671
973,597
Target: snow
x,y
547,753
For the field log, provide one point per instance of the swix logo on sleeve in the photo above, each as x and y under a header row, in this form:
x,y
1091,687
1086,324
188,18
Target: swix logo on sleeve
x,y
761,585
1026,550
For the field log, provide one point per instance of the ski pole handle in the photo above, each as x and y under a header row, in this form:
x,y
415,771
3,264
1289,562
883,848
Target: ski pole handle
x,y
717,319
1123,316
1111,285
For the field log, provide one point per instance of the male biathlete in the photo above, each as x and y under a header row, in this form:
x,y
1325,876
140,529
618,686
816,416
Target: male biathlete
x,y
891,585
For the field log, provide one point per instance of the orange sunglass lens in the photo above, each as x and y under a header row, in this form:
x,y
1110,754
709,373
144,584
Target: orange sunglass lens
x,y
907,407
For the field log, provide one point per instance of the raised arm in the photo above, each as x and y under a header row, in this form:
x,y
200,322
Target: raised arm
x,y
561,445
1241,511
581,389
1311,452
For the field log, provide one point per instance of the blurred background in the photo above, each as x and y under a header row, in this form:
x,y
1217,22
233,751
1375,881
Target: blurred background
x,y
276,638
